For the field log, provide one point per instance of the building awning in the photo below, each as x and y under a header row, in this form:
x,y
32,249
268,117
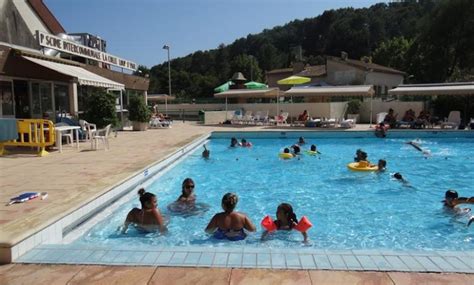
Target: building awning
x,y
354,90
435,89
83,76
249,93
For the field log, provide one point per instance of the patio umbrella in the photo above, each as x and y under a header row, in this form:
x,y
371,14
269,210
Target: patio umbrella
x,y
255,85
293,80
223,87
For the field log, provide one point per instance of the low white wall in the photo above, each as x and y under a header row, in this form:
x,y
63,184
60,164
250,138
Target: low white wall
x,y
328,110
217,117
399,107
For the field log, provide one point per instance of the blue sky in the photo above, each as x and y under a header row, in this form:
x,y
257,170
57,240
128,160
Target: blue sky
x,y
137,29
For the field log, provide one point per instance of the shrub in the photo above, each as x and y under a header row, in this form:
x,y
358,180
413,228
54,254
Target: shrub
x,y
353,107
100,109
138,111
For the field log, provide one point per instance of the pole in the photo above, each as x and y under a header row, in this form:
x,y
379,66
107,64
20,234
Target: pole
x,y
226,108
169,82
371,107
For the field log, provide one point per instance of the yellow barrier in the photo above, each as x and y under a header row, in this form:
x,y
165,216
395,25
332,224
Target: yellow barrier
x,y
32,133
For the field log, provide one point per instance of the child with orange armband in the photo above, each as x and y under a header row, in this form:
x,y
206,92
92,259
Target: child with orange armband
x,y
286,220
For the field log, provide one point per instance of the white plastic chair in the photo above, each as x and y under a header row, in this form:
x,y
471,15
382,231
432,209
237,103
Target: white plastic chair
x,y
348,123
454,120
103,136
88,128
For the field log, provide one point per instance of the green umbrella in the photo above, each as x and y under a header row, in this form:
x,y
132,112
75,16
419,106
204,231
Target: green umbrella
x,y
255,85
223,87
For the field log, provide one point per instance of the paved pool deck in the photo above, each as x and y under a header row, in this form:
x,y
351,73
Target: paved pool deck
x,y
68,274
76,177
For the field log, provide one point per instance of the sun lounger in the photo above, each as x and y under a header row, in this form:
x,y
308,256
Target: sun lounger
x,y
454,120
348,123
159,123
329,123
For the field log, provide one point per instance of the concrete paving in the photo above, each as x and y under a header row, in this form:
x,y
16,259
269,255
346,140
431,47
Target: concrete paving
x,y
73,274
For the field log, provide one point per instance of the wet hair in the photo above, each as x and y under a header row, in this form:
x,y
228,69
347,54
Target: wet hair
x,y
145,197
296,148
398,176
313,147
383,162
233,141
229,201
363,155
244,141
359,151
451,194
289,214
286,150
186,181
382,124
301,139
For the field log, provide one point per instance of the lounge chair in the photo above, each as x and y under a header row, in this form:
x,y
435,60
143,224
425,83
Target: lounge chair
x,y
329,123
159,123
280,119
348,123
454,120
381,117
237,117
248,118
261,117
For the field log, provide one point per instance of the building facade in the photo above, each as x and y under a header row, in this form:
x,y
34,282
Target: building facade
x,y
46,72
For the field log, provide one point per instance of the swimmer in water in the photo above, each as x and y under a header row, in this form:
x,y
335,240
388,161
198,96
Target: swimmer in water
x,y
417,146
382,165
206,153
452,200
148,218
301,141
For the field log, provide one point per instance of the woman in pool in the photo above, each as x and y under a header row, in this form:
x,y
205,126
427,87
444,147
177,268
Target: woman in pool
x,y
187,191
148,218
234,142
296,149
286,220
206,153
301,141
381,165
230,224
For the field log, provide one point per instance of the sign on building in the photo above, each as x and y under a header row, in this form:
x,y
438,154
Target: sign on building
x,y
66,46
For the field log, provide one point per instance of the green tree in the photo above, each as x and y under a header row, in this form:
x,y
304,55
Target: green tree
x,y
393,53
248,66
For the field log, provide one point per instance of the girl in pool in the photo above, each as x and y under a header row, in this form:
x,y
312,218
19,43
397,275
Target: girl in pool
x,y
245,143
234,142
148,218
187,191
230,224
286,220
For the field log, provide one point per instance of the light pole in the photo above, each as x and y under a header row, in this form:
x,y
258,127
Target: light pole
x,y
167,47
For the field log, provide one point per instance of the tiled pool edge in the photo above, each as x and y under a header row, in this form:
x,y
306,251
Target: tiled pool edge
x,y
358,260
379,260
54,232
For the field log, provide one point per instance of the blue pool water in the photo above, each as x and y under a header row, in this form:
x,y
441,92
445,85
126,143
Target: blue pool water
x,y
349,210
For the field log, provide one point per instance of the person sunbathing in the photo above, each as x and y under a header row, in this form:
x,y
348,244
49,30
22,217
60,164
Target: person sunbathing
x,y
303,117
391,118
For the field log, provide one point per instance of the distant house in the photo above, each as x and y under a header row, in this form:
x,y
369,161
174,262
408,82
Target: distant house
x,y
341,71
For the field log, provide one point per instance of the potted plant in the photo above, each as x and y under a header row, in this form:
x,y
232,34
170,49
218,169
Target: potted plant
x,y
353,109
138,113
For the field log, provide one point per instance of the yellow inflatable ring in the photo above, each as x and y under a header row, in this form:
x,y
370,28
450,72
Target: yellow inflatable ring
x,y
285,155
310,152
354,166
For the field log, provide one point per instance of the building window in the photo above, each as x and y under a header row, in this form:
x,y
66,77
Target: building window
x,y
6,99
61,99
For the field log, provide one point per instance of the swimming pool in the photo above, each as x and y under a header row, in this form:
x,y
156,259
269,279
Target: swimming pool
x,y
349,210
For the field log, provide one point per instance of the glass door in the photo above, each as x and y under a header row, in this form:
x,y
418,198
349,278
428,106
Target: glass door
x,y
42,101
7,103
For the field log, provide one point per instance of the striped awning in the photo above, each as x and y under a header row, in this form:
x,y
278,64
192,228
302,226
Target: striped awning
x,y
435,89
249,93
353,90
84,77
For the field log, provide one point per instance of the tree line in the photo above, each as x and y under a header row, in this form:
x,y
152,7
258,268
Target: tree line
x,y
431,40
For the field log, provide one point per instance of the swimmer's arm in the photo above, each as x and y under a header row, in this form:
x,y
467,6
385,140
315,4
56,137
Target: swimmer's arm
x,y
465,201
212,226
128,220
471,220
264,235
305,236
248,225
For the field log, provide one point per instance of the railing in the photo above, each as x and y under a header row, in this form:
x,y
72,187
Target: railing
x,y
32,133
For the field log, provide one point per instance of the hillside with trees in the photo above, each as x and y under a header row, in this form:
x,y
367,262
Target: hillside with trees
x,y
431,40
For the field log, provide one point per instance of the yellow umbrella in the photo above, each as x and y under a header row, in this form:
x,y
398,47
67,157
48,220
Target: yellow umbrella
x,y
293,80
